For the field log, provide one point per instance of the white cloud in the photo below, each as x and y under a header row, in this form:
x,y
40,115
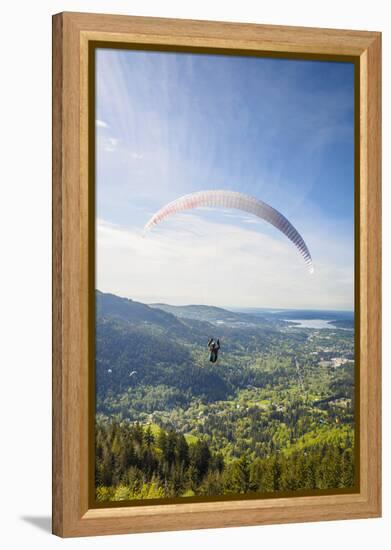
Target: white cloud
x,y
110,144
192,260
136,156
101,124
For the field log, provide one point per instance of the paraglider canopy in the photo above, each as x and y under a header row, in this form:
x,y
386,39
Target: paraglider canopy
x,y
239,201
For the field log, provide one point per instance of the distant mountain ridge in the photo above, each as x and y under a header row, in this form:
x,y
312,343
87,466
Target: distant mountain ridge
x,y
175,317
130,311
211,314
179,317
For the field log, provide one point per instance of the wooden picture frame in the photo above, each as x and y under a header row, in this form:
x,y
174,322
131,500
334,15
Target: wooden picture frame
x,y
72,194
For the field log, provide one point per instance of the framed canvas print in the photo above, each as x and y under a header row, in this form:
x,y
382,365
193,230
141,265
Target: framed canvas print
x,y
216,274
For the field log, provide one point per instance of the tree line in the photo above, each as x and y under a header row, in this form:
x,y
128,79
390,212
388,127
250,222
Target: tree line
x,y
136,462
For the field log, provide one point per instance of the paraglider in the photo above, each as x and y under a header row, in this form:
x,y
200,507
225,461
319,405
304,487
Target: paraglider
x,y
132,373
239,201
214,347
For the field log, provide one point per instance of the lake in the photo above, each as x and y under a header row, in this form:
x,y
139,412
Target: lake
x,y
311,323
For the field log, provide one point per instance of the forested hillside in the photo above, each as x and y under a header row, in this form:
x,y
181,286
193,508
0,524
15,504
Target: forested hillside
x,y
275,413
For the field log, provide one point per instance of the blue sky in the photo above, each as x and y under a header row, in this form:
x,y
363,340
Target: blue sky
x,y
281,130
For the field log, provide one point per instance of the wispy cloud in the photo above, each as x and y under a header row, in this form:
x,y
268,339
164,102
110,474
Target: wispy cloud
x,y
190,259
135,156
110,144
101,124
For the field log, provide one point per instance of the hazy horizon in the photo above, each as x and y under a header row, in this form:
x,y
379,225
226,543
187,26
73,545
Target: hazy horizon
x,y
233,308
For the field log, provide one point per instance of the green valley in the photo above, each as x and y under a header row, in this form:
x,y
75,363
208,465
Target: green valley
x,y
275,413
